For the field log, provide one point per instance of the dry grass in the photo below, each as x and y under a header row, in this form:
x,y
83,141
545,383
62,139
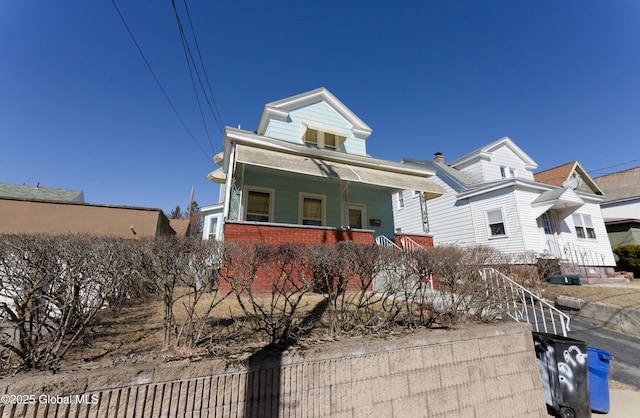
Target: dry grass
x,y
624,296
135,332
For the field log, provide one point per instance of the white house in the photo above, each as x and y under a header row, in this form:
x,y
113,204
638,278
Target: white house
x,y
493,198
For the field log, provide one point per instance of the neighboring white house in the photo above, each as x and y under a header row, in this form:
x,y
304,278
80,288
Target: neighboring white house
x,y
493,198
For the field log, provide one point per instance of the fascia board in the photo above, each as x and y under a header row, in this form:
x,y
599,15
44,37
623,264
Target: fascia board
x,y
249,138
492,187
485,153
282,107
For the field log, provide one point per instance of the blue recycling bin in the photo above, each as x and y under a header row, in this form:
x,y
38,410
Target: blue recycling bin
x,y
599,367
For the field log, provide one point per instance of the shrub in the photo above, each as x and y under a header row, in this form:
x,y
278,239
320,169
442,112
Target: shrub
x,y
629,258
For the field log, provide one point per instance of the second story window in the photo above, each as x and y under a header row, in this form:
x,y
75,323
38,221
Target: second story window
x,y
401,199
320,139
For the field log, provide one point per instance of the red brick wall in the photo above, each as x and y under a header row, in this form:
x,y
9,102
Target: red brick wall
x,y
423,240
250,233
281,234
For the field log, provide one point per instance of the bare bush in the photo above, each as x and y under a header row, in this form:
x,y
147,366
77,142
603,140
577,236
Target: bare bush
x,y
199,280
164,261
285,270
51,288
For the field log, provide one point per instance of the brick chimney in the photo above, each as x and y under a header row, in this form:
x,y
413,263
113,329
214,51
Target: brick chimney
x,y
438,158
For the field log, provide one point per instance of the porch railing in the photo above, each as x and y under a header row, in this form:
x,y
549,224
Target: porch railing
x,y
386,242
407,244
575,254
522,305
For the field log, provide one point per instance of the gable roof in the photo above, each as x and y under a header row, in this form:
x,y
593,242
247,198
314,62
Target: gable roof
x,y
560,175
181,226
458,176
621,185
485,151
280,109
43,193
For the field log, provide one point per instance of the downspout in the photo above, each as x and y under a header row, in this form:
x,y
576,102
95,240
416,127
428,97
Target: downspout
x,y
231,168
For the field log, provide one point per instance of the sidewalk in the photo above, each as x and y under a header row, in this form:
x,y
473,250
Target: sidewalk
x,y
624,404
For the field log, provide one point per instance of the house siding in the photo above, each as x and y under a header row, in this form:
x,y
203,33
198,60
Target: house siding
x,y
601,244
287,187
321,113
621,210
513,242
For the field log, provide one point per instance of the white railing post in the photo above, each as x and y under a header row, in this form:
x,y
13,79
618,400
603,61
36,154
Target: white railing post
x,y
516,294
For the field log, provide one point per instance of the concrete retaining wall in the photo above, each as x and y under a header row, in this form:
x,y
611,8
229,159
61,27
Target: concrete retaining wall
x,y
475,371
623,320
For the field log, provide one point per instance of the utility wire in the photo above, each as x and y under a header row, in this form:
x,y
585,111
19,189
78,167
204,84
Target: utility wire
x,y
612,166
216,114
190,61
157,80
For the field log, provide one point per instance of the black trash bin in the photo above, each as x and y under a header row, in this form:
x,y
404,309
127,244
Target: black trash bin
x,y
564,374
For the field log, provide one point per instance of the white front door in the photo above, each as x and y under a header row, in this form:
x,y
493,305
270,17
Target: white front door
x,y
547,231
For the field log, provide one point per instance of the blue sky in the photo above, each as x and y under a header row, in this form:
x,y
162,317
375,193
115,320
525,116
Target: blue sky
x,y
79,109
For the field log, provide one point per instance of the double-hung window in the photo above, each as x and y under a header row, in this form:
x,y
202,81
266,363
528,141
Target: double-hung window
x,y
401,199
311,209
320,139
495,219
258,204
584,226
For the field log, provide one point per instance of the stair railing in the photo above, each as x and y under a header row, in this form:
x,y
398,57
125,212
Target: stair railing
x,y
522,305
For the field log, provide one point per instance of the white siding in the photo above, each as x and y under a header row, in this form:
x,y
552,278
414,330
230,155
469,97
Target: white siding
x,y
514,241
488,169
409,218
622,210
601,244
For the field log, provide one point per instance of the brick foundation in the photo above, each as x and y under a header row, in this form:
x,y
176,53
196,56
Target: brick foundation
x,y
252,232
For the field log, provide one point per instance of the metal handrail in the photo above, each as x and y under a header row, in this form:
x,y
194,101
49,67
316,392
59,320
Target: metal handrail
x,y
409,244
522,305
386,242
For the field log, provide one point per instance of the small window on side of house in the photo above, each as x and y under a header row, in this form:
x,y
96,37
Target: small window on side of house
x,y
416,193
584,226
401,199
503,172
495,220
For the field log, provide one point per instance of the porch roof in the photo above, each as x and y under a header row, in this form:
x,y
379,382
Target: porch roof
x,y
559,199
315,165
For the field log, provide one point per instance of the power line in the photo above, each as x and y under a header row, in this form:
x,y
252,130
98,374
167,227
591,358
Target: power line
x,y
164,93
612,166
189,58
216,114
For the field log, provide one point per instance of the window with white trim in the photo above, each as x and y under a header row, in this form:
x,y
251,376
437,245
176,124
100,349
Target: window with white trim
x,y
319,139
495,219
401,199
258,204
416,193
584,226
311,209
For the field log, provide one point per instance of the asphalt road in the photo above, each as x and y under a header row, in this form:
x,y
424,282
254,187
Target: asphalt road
x,y
625,366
